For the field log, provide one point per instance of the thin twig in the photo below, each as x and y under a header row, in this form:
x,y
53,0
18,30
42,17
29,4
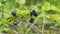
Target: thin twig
x,y
23,20
23,28
36,28
35,31
43,20
15,32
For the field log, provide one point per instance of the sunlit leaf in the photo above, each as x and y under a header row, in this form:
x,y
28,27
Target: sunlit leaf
x,y
22,1
55,17
6,15
47,6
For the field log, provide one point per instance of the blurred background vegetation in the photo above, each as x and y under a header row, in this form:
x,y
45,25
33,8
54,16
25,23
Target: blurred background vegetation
x,y
47,21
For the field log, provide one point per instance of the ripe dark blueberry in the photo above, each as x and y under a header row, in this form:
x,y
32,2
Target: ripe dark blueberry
x,y
33,12
13,13
15,23
31,20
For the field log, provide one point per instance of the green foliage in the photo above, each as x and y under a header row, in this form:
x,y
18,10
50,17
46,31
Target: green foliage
x,y
23,8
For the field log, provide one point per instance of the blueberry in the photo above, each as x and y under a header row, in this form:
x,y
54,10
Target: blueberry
x,y
15,23
31,20
33,12
13,13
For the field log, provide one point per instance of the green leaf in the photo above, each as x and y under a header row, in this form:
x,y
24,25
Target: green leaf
x,y
22,1
55,17
6,15
0,15
47,6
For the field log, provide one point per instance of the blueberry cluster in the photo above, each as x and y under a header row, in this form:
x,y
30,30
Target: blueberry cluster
x,y
33,13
